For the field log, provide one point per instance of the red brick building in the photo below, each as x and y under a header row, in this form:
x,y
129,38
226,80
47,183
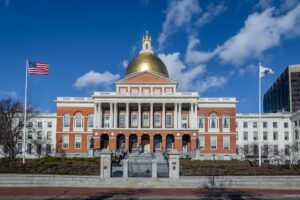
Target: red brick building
x,y
146,113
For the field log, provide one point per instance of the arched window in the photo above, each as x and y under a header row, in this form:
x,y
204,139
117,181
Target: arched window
x,y
213,121
226,121
201,121
66,120
78,120
147,46
91,121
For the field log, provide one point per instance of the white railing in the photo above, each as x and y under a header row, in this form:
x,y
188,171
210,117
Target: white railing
x,y
217,99
74,99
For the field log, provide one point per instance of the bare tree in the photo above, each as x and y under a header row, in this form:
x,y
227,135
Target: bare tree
x,y
11,124
292,153
41,147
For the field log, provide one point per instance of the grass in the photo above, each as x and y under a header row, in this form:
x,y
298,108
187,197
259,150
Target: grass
x,y
52,165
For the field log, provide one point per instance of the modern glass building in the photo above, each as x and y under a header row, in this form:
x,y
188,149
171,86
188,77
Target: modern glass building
x,y
284,94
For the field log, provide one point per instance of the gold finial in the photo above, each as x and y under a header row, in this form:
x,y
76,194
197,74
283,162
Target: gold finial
x,y
147,35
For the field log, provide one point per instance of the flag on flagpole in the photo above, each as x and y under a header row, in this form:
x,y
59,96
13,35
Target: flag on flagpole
x,y
264,71
38,68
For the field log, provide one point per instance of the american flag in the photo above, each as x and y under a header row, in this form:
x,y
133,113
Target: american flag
x,y
38,68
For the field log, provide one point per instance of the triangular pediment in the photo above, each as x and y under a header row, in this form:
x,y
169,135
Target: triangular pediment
x,y
147,78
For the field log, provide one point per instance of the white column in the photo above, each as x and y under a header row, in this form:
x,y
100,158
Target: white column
x,y
163,115
151,115
96,115
127,115
110,115
175,115
139,115
100,116
191,116
115,115
179,116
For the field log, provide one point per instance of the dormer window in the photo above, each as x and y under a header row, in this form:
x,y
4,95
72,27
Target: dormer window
x,y
147,46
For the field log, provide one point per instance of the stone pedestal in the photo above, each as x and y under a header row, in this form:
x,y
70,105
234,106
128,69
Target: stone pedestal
x,y
154,168
197,155
91,153
173,164
125,168
105,163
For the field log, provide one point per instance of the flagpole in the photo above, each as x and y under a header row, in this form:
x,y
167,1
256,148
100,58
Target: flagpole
x,y
25,111
259,115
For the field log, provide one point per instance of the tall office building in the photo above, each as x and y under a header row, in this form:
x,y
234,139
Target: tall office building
x,y
284,94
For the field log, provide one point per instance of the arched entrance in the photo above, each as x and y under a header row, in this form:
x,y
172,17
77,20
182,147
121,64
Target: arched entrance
x,y
132,143
186,141
169,142
104,141
121,142
145,143
157,143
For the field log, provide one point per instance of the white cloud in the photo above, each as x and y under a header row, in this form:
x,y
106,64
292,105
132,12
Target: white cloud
x,y
178,14
248,70
125,63
8,94
92,79
189,76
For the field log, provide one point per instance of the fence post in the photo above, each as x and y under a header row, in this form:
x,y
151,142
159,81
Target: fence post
x,y
173,164
125,168
105,163
154,168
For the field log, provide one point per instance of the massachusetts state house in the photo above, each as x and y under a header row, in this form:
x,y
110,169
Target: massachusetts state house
x,y
146,113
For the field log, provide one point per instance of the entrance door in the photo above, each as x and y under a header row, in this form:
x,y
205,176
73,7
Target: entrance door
x,y
185,142
145,143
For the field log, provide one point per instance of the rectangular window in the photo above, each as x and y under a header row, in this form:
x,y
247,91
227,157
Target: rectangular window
x,y
254,124
295,122
49,133
274,124
287,150
40,124
156,91
200,122
255,135
226,142
89,141
20,136
134,91
169,118
29,124
202,142
157,120
123,91
255,149
246,149
39,149
169,91
77,141
275,148
29,135
286,135
286,124
245,124
39,135
245,135
106,121
19,147
146,120
134,122
265,135
265,124
65,142
146,91
29,148
296,135
122,120
184,122
213,142
48,149
275,135
266,149
49,124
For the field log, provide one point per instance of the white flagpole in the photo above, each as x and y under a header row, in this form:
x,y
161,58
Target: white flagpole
x,y
25,112
259,115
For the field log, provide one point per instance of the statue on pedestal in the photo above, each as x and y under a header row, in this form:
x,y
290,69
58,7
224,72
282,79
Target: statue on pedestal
x,y
91,142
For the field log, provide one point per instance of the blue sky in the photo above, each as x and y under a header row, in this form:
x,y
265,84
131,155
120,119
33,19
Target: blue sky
x,y
212,47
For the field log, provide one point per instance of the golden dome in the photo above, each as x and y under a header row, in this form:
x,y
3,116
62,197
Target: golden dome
x,y
147,62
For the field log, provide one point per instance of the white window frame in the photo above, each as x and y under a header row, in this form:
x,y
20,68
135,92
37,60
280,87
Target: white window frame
x,y
106,120
211,129
211,142
146,123
146,91
255,135
75,123
122,114
171,120
226,138
168,91
155,123
134,121
90,121
78,140
202,142
123,91
65,141
223,123
184,120
66,128
156,91
39,135
203,122
134,91
49,136
286,133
